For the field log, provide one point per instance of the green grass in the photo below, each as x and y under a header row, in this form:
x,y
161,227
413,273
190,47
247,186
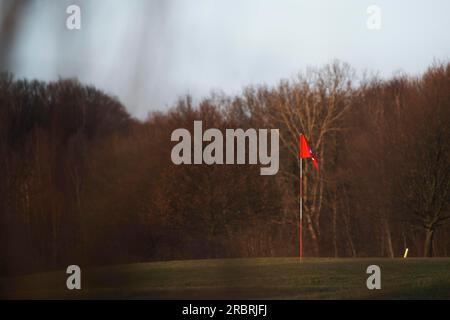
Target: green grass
x,y
262,278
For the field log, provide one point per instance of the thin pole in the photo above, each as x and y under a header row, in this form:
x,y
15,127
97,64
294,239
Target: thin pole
x,y
301,209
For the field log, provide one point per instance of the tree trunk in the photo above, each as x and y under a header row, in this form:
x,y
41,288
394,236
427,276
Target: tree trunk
x,y
335,240
314,237
389,246
346,219
428,249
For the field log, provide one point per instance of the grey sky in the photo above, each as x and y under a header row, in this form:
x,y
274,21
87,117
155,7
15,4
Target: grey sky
x,y
148,53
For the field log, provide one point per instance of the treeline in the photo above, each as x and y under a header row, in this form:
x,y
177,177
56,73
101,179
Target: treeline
x,y
84,183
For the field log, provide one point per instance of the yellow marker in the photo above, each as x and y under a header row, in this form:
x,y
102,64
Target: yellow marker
x,y
406,253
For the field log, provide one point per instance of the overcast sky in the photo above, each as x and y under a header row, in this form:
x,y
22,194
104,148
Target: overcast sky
x,y
148,53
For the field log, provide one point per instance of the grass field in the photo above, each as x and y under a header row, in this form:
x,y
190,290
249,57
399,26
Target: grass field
x,y
262,278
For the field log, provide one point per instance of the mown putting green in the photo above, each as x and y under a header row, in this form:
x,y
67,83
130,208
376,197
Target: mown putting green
x,y
259,278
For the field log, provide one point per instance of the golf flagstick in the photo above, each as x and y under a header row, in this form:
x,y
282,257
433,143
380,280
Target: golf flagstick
x,y
301,209
305,152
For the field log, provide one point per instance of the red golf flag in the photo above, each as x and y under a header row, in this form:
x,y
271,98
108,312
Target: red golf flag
x,y
306,152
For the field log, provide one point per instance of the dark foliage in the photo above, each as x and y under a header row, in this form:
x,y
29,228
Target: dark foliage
x,y
84,183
